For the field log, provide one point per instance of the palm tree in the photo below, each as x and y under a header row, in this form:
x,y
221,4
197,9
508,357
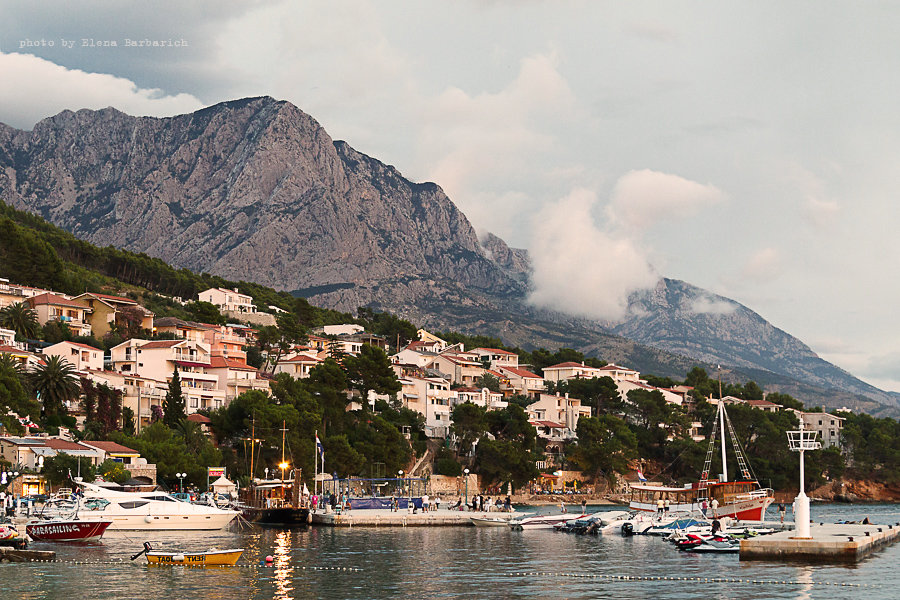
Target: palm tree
x,y
55,382
21,319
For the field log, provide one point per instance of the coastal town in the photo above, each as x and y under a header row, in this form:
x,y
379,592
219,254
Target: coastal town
x,y
209,363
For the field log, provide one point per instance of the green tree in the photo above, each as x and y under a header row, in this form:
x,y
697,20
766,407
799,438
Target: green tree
x,y
204,312
54,332
605,446
112,470
468,425
173,403
505,461
21,319
341,457
371,370
489,381
56,381
62,468
13,394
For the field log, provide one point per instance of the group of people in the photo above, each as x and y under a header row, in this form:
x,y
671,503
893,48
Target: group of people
x,y
480,504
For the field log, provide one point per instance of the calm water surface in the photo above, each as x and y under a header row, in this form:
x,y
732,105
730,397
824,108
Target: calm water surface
x,y
447,562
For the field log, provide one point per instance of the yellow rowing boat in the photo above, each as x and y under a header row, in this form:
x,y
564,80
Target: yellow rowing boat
x,y
195,559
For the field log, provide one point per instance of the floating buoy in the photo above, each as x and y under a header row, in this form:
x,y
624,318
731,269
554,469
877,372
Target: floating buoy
x,y
270,559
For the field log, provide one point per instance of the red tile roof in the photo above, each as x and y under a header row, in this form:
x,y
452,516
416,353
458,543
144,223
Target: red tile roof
x,y
112,298
58,444
112,447
495,351
567,365
160,344
524,373
197,418
53,299
220,362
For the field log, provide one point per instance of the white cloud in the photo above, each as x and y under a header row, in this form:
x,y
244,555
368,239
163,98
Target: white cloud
x,y
642,198
51,89
712,306
764,266
821,213
579,269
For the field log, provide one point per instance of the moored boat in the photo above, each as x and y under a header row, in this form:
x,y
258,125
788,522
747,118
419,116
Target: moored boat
x,y
207,558
743,499
148,511
486,521
71,530
543,521
276,502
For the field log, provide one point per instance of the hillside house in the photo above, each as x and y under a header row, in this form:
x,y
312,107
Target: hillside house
x,y
228,300
521,381
108,310
80,356
52,307
494,358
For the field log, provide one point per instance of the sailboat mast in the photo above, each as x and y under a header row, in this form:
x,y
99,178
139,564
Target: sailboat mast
x,y
722,432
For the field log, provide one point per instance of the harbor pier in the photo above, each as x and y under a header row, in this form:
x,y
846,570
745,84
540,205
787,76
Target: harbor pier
x,y
826,543
404,518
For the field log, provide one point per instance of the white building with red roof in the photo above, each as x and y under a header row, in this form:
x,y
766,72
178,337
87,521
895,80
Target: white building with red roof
x,y
298,366
236,377
521,381
482,397
158,360
556,416
80,356
53,307
496,358
462,368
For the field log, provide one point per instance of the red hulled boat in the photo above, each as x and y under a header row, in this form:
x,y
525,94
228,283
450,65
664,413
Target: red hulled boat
x,y
74,530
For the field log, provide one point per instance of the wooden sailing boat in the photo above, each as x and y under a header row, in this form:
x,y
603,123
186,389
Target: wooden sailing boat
x,y
742,498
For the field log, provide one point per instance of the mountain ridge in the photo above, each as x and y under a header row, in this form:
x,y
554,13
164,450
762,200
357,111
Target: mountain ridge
x,y
256,189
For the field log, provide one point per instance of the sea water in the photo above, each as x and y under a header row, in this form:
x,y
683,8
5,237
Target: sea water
x,y
445,562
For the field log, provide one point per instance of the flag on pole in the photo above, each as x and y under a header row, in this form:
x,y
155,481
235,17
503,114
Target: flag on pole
x,y
640,475
320,447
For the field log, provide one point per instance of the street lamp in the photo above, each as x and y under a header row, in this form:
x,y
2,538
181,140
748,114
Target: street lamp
x,y
267,472
181,477
466,472
8,476
400,475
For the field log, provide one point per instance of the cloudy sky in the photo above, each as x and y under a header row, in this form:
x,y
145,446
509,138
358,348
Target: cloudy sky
x,y
749,148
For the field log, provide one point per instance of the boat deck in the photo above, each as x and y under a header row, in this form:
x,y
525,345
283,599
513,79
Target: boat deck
x,y
827,543
386,518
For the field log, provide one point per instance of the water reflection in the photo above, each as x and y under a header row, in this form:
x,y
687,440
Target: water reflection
x,y
284,572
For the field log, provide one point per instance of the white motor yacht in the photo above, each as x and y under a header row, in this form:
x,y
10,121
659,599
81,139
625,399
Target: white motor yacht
x,y
543,521
149,511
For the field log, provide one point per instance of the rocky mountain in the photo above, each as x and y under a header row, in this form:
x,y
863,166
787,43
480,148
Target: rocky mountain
x,y
256,189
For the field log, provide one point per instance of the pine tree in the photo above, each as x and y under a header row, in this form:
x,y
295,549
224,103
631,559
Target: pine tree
x,y
173,404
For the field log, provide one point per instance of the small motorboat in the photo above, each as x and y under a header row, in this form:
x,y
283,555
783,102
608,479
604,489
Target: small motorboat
x,y
67,530
543,521
709,544
487,521
208,558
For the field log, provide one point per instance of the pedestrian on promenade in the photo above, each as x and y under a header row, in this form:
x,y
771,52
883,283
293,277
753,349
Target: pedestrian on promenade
x,y
659,508
703,507
562,505
583,506
715,507
666,506
781,511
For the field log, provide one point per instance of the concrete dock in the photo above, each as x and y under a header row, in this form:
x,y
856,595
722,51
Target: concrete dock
x,y
387,518
827,543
